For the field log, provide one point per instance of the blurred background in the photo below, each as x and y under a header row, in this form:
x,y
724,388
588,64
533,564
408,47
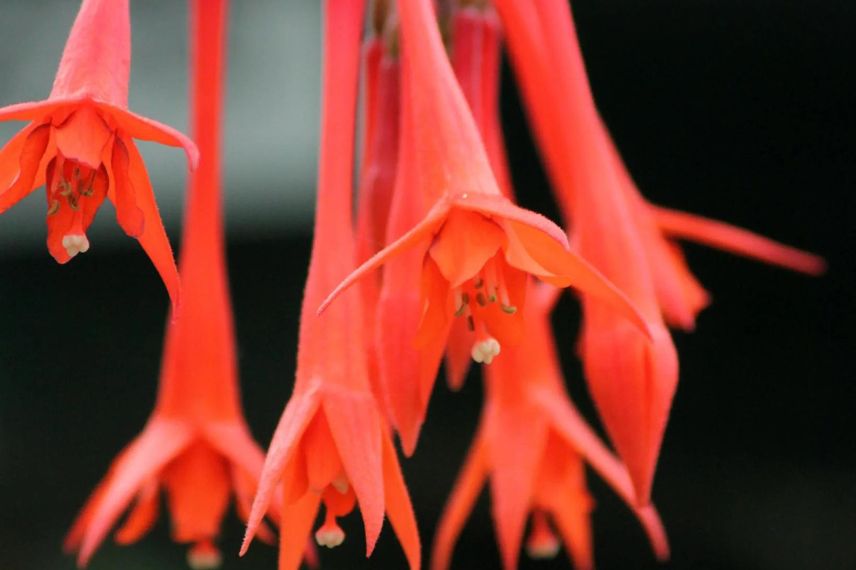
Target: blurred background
x,y
737,109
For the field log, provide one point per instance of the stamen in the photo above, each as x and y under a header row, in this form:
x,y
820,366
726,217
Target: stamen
x,y
53,208
542,543
204,556
480,299
330,534
485,351
510,309
75,243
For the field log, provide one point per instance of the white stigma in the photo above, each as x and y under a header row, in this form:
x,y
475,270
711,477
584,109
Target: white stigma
x,y
75,243
330,536
204,559
485,351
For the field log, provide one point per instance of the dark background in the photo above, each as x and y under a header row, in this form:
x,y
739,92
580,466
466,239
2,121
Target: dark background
x,y
741,110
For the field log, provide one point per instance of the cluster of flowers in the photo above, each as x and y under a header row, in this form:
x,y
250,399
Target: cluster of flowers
x,y
439,263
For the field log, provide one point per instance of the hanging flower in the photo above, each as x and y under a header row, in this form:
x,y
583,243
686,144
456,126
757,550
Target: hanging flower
x,y
632,379
332,445
196,445
531,444
457,247
79,143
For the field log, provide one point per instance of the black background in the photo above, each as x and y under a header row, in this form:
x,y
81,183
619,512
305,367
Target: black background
x,y
740,110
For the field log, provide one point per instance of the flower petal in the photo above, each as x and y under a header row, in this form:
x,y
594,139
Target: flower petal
x,y
297,521
571,427
29,159
422,231
142,517
737,240
160,443
131,179
535,252
398,506
518,435
142,128
464,244
460,504
356,428
35,111
298,412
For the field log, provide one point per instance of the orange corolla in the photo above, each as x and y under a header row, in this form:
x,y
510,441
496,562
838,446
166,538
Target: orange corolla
x,y
196,445
632,380
79,143
457,246
531,444
331,444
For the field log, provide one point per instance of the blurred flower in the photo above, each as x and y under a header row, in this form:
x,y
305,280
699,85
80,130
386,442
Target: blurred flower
x,y
457,246
531,444
196,445
79,143
331,444
632,380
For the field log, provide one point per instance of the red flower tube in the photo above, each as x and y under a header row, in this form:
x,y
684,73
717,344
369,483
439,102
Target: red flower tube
x,y
79,143
196,445
331,444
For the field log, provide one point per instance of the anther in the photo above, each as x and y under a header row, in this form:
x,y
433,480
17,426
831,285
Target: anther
x,y
53,208
72,202
66,188
88,191
471,323
478,283
485,351
510,309
204,556
480,299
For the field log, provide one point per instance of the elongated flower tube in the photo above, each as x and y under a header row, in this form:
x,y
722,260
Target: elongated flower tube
x,y
331,444
632,380
462,249
475,57
79,144
531,444
196,445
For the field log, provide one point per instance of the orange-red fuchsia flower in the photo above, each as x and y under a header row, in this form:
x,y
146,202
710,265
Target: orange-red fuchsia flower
x,y
332,444
632,380
196,445
79,143
475,57
531,444
457,246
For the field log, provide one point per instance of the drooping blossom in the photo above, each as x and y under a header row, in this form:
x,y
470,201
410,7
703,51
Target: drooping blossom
x,y
79,143
332,444
457,248
531,444
632,380
196,446
475,56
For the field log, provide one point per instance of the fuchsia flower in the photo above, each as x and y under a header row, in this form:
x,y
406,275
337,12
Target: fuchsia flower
x,y
632,379
79,143
196,445
531,444
332,445
457,246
